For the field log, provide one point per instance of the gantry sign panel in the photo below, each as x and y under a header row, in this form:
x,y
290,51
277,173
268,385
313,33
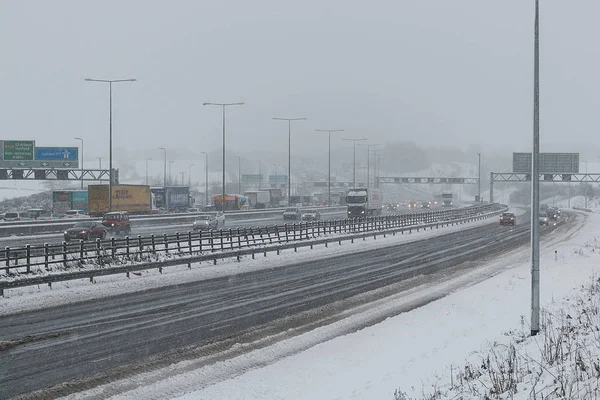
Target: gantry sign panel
x,y
58,174
512,177
550,163
426,180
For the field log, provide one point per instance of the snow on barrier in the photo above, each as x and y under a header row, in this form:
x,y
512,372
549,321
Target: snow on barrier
x,y
34,265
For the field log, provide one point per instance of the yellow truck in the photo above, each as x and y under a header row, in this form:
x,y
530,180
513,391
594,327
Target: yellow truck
x,y
135,199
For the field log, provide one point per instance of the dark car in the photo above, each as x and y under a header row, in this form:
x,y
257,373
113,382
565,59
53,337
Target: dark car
x,y
205,222
117,222
311,215
553,213
85,231
425,204
292,213
508,219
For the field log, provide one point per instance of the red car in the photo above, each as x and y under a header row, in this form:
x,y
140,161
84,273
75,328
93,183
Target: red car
x,y
508,219
85,231
117,221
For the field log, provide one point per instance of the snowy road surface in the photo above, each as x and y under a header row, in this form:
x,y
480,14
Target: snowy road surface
x,y
78,340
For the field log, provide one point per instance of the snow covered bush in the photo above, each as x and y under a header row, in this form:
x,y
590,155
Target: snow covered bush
x,y
561,362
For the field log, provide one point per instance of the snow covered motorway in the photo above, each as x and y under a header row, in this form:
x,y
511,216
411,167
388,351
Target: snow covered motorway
x,y
75,345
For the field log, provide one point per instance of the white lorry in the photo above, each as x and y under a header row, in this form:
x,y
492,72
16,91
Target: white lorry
x,y
258,198
364,202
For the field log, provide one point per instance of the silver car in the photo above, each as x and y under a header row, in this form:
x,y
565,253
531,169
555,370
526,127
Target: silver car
x,y
205,223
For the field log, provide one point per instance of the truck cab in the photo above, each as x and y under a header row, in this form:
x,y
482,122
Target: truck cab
x,y
363,202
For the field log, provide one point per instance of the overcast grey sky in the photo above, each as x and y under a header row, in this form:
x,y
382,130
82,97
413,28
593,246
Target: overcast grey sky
x,y
432,71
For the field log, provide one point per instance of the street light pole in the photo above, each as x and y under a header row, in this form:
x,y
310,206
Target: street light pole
x,y
368,146
164,179
99,162
190,175
354,162
289,120
377,162
479,177
259,174
147,159
223,105
205,179
535,182
78,138
170,181
239,175
329,162
110,164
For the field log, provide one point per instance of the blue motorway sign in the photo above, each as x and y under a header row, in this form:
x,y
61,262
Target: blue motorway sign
x,y
57,153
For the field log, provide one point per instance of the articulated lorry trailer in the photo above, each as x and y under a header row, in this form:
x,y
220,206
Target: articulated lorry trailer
x,y
364,202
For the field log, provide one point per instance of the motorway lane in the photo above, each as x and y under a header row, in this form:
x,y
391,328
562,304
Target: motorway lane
x,y
158,230
78,340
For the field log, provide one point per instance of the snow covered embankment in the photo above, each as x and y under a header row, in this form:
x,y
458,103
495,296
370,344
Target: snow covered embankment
x,y
561,362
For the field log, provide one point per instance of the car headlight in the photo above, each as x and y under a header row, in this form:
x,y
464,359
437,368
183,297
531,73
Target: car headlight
x,y
66,233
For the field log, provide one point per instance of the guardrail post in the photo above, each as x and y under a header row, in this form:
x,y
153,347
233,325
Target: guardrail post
x,y
127,244
7,252
140,245
239,239
28,250
190,244
153,243
166,243
64,250
98,248
81,249
200,242
231,238
221,235
45,256
287,233
113,247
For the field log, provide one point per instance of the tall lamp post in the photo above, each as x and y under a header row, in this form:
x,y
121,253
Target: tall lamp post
x,y
205,178
479,177
147,159
110,140
368,146
165,179
535,181
289,120
78,138
190,175
259,174
329,162
354,162
223,105
377,162
170,182
239,174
